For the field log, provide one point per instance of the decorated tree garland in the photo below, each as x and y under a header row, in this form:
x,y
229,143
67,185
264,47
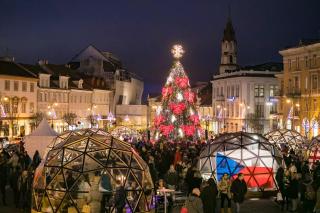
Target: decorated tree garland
x,y
177,118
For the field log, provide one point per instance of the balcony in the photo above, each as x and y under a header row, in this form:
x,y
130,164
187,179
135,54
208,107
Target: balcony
x,y
220,98
293,94
273,112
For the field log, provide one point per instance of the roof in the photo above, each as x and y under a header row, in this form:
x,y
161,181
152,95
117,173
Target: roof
x,y
14,69
229,33
270,66
44,130
304,42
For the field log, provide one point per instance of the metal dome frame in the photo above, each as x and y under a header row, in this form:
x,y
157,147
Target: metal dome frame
x,y
87,155
248,153
283,138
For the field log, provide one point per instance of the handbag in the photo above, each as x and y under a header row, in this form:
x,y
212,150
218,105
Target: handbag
x,y
279,196
184,208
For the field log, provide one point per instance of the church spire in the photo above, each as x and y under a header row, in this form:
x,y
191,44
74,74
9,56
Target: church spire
x,y
229,34
228,48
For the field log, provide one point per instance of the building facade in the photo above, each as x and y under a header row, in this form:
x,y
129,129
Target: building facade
x,y
63,91
301,87
243,98
18,99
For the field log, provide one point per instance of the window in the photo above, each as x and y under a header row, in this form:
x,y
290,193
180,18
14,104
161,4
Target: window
x,y
289,64
80,99
232,90
228,91
24,86
274,90
31,110
237,90
314,82
7,107
31,87
306,61
296,83
16,86
261,91
314,61
15,105
23,107
297,63
259,110
231,59
256,91
7,85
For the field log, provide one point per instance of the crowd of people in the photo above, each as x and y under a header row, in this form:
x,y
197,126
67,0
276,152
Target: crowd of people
x,y
16,173
299,183
174,166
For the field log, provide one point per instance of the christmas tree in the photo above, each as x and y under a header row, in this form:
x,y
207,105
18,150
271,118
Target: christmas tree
x,y
177,118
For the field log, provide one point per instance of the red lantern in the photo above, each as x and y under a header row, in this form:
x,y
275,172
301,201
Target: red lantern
x,y
182,82
189,130
166,91
189,96
177,108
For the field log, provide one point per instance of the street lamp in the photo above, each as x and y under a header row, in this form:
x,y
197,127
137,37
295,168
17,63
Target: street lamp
x,y
111,119
52,112
207,119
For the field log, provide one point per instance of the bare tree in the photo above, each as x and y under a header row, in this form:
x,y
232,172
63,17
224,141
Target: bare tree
x,y
38,116
254,122
69,118
92,119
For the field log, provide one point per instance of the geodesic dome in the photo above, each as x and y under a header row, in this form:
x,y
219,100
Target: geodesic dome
x,y
314,150
286,139
83,166
125,133
240,152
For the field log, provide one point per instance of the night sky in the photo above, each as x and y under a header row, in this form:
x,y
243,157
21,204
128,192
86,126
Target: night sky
x,y
141,32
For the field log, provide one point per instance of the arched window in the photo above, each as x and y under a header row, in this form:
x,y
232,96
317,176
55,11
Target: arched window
x,y
231,59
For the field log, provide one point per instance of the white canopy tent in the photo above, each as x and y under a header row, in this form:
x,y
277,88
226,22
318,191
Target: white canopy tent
x,y
40,138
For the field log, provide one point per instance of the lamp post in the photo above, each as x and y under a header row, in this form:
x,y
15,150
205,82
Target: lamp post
x,y
110,119
207,119
52,112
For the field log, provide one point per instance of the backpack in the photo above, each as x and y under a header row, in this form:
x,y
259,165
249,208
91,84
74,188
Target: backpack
x,y
310,194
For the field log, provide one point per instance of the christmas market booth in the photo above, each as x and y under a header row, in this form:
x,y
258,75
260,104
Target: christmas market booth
x,y
83,170
125,133
240,152
314,150
287,140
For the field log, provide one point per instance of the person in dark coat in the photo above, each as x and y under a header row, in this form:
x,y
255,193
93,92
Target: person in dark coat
x,y
193,202
238,190
3,173
119,197
293,191
209,197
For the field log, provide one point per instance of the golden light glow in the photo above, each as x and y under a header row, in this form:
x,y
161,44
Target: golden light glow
x,y
297,105
288,101
225,109
5,98
56,104
218,106
177,51
241,104
248,107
